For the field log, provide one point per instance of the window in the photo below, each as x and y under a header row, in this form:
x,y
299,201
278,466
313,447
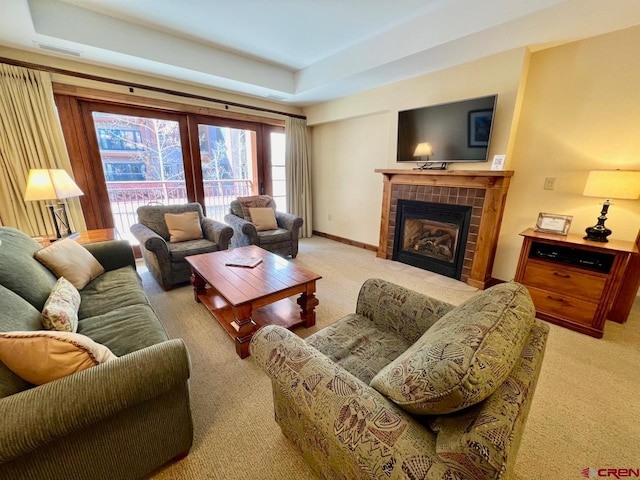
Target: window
x,y
119,139
278,171
142,155
124,172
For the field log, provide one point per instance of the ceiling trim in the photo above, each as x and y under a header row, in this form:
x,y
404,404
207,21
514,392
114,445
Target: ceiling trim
x,y
113,81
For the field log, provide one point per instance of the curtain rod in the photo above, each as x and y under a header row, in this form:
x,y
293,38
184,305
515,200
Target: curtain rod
x,y
87,76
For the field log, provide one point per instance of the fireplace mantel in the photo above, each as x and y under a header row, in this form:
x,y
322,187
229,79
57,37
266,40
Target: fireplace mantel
x,y
485,190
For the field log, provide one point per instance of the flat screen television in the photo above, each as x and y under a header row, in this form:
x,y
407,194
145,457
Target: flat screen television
x,y
455,132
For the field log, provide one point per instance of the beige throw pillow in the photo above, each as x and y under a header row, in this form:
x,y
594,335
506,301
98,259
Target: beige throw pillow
x,y
263,218
183,226
43,356
67,258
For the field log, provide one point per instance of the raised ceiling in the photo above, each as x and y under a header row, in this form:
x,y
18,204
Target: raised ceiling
x,y
299,51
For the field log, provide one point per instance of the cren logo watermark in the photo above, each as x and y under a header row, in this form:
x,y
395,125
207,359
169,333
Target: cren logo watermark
x,y
611,473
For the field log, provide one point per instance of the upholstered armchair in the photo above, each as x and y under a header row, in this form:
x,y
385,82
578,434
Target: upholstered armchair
x,y
409,386
280,237
163,255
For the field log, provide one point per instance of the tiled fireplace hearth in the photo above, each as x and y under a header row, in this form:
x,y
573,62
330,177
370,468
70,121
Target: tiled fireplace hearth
x,y
483,191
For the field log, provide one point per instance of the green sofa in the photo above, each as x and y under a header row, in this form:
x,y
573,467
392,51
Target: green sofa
x,y
408,386
119,420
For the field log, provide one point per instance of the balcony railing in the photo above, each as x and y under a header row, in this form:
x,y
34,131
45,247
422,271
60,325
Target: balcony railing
x,y
126,197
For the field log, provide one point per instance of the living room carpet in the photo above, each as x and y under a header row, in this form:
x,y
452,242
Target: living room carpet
x,y
583,414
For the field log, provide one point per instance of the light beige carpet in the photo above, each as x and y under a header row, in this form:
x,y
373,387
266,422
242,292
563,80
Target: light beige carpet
x,y
584,413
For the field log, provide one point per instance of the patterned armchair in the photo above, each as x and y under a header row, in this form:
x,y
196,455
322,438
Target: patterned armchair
x,y
408,386
165,259
282,240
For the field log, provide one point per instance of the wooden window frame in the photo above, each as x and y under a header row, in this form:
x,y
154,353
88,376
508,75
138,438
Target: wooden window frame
x,y
75,105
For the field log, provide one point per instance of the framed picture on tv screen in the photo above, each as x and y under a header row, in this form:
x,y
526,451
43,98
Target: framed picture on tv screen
x,y
479,124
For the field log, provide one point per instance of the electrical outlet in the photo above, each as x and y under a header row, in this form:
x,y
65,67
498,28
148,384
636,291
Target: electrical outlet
x,y
329,217
550,183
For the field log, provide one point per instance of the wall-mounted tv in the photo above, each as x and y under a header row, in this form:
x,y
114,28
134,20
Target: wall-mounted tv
x,y
455,132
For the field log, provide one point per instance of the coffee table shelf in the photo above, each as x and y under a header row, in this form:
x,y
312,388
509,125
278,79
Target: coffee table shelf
x,y
282,312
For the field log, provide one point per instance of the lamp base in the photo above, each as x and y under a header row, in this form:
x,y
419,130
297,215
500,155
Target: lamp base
x,y
432,166
597,233
60,219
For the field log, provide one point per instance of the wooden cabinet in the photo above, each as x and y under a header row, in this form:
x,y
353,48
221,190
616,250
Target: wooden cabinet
x,y
577,283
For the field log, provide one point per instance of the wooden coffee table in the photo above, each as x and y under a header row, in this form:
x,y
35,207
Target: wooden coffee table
x,y
243,299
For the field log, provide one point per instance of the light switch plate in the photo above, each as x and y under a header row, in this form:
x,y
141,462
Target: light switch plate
x,y
498,162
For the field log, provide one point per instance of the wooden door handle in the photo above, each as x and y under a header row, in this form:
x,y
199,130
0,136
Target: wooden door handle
x,y
561,275
555,299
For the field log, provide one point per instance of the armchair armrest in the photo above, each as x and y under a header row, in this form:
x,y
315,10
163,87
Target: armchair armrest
x,y
504,411
349,424
400,310
217,232
289,222
151,241
113,254
245,232
43,414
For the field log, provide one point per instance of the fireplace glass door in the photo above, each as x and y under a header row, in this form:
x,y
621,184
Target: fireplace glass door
x,y
432,236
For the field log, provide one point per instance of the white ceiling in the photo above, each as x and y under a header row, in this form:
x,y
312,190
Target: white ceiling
x,y
299,51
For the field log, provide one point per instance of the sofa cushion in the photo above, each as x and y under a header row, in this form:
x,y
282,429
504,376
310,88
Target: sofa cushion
x,y
177,251
112,290
125,329
67,258
20,272
183,226
16,314
42,356
464,357
60,312
358,345
268,237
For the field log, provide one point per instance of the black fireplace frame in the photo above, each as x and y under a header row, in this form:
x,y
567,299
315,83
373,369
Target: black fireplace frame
x,y
459,215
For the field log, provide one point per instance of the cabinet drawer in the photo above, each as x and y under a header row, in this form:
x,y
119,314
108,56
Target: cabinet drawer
x,y
563,306
568,281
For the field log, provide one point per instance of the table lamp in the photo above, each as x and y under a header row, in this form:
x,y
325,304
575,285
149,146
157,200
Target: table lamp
x,y
608,184
55,186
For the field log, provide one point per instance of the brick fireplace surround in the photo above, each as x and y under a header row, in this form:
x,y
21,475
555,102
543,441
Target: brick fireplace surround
x,y
484,190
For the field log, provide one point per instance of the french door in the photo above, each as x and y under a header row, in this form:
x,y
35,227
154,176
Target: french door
x,y
124,157
144,159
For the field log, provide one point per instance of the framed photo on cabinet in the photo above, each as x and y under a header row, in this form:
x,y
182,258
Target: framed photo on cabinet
x,y
552,223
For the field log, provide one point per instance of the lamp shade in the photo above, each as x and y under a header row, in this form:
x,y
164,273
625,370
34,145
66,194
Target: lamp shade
x,y
623,184
50,184
423,149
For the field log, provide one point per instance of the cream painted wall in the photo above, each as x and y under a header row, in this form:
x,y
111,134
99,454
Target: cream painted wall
x,y
561,112
353,136
580,112
347,193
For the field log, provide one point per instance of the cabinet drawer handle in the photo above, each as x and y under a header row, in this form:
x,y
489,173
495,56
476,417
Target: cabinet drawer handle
x,y
561,275
555,299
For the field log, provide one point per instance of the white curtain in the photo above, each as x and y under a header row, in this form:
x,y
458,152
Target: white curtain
x,y
30,137
298,168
